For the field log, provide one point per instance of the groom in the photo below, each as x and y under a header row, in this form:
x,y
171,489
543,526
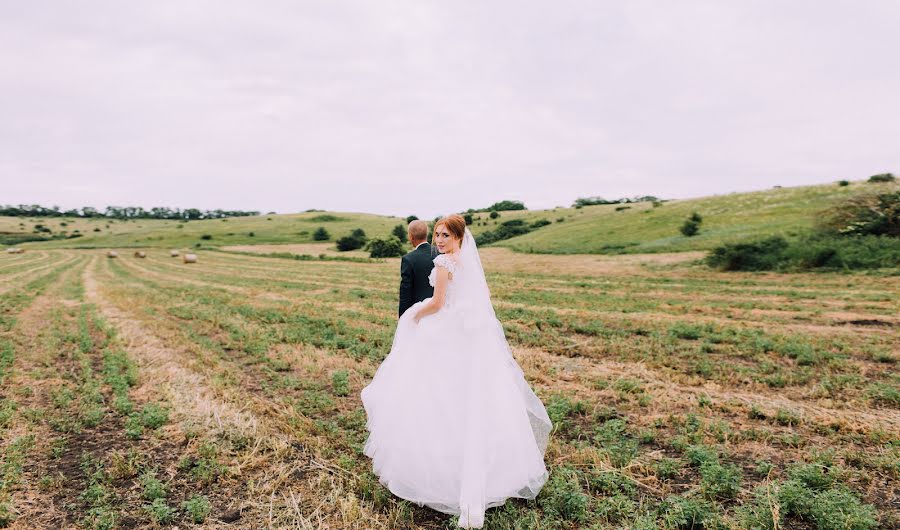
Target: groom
x,y
415,267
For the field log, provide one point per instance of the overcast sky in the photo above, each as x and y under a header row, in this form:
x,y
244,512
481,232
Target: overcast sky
x,y
428,107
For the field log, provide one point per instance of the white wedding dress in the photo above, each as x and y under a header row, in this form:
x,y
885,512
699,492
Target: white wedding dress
x,y
453,425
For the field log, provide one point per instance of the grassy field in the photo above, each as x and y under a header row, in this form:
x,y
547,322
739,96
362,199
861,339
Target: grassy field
x,y
266,229
225,394
605,229
642,228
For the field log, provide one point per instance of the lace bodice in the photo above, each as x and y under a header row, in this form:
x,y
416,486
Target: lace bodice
x,y
442,260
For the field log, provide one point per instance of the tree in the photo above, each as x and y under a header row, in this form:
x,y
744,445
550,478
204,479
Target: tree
x,y
321,234
399,232
411,218
494,214
385,248
468,218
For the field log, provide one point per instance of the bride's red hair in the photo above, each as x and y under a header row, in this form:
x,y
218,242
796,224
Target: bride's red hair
x,y
455,224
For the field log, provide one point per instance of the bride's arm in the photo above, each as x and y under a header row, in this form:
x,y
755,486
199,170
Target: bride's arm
x,y
440,291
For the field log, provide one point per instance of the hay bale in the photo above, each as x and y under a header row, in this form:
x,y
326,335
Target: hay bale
x,y
173,253
112,254
190,258
140,254
14,250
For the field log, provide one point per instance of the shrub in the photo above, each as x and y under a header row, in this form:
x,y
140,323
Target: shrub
x,y
883,177
385,248
843,183
870,214
356,240
468,218
411,218
818,251
752,256
691,226
508,229
494,214
326,218
206,237
321,234
399,232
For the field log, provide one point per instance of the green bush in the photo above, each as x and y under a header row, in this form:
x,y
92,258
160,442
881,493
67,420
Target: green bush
x,y
874,214
356,240
399,232
206,237
509,229
883,177
817,251
385,248
321,234
494,214
468,218
843,183
691,226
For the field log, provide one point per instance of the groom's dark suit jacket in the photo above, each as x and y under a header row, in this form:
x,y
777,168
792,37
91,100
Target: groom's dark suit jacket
x,y
414,270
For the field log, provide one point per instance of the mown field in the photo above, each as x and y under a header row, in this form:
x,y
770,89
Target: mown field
x,y
225,394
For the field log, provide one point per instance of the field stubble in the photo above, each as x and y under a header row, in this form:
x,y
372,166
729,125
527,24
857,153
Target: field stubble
x,y
680,396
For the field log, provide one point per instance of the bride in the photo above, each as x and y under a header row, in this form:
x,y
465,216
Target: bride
x,y
453,425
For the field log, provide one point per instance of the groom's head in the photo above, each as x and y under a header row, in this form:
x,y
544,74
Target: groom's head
x,y
418,232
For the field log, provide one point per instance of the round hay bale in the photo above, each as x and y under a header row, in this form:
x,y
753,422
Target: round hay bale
x,y
112,254
190,258
140,254
173,253
14,250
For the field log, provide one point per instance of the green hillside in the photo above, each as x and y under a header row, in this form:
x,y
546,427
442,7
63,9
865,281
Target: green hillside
x,y
266,229
613,228
643,228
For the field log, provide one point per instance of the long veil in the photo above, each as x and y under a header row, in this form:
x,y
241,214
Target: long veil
x,y
474,295
479,318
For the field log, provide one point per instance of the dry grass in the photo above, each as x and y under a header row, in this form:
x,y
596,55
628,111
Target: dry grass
x,y
245,353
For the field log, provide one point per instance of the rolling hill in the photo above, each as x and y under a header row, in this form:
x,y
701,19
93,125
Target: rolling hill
x,y
602,229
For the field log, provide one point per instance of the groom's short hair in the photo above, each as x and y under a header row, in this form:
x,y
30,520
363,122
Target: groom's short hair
x,y
418,230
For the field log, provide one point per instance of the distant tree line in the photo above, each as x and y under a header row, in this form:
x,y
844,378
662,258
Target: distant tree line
x,y
593,201
500,206
121,212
